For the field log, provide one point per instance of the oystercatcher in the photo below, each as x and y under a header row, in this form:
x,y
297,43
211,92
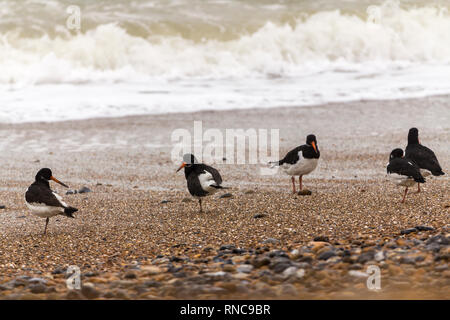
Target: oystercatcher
x,y
422,156
403,171
300,161
42,201
202,180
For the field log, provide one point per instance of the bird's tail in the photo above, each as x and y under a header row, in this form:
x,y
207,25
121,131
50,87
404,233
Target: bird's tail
x,y
219,187
438,173
419,179
69,210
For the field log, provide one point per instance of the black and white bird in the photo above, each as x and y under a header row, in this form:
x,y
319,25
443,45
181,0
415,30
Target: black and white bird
x,y
300,161
403,171
422,156
42,201
202,180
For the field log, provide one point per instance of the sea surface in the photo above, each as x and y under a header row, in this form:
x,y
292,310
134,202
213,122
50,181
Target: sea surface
x,y
158,56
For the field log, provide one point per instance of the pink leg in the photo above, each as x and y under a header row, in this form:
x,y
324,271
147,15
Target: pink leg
x,y
418,187
404,196
293,185
300,182
46,224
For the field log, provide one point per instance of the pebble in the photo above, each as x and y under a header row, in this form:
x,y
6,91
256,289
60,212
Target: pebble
x,y
290,271
271,240
259,215
226,195
259,262
365,257
74,295
89,291
38,288
130,275
424,228
84,190
358,274
408,231
300,273
218,274
379,256
289,290
304,192
439,239
244,268
322,239
326,255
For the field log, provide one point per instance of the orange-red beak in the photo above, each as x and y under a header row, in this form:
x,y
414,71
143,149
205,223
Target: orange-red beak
x,y
182,166
57,181
314,146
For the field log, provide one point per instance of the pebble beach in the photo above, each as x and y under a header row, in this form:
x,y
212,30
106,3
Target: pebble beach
x,y
138,233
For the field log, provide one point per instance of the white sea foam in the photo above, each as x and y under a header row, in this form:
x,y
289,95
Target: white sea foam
x,y
385,51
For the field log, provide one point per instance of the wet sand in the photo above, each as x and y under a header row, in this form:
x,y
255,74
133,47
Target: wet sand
x,y
122,229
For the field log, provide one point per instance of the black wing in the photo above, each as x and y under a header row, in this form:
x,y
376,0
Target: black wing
x,y
215,174
424,158
194,186
292,156
41,194
405,167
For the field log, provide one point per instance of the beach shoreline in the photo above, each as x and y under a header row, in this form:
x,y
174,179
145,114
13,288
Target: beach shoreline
x,y
124,236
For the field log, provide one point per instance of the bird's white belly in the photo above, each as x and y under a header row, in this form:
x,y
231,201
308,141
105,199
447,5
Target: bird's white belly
x,y
401,180
44,211
206,180
302,167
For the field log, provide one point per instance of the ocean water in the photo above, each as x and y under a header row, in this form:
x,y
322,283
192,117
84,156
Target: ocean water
x,y
157,56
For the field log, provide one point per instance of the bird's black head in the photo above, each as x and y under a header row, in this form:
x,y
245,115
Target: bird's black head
x,y
45,175
413,136
396,153
312,141
188,161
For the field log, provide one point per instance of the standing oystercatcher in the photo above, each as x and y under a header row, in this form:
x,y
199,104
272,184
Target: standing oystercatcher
x,y
42,201
300,161
403,171
422,156
202,180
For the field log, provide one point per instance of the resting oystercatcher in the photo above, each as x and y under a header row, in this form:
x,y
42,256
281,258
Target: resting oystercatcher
x,y
403,171
301,160
202,180
42,201
422,156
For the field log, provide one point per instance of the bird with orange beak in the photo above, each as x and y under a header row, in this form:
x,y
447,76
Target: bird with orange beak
x,y
42,201
300,161
202,180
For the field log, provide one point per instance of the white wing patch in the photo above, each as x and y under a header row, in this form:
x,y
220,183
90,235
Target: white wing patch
x,y
207,181
59,199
